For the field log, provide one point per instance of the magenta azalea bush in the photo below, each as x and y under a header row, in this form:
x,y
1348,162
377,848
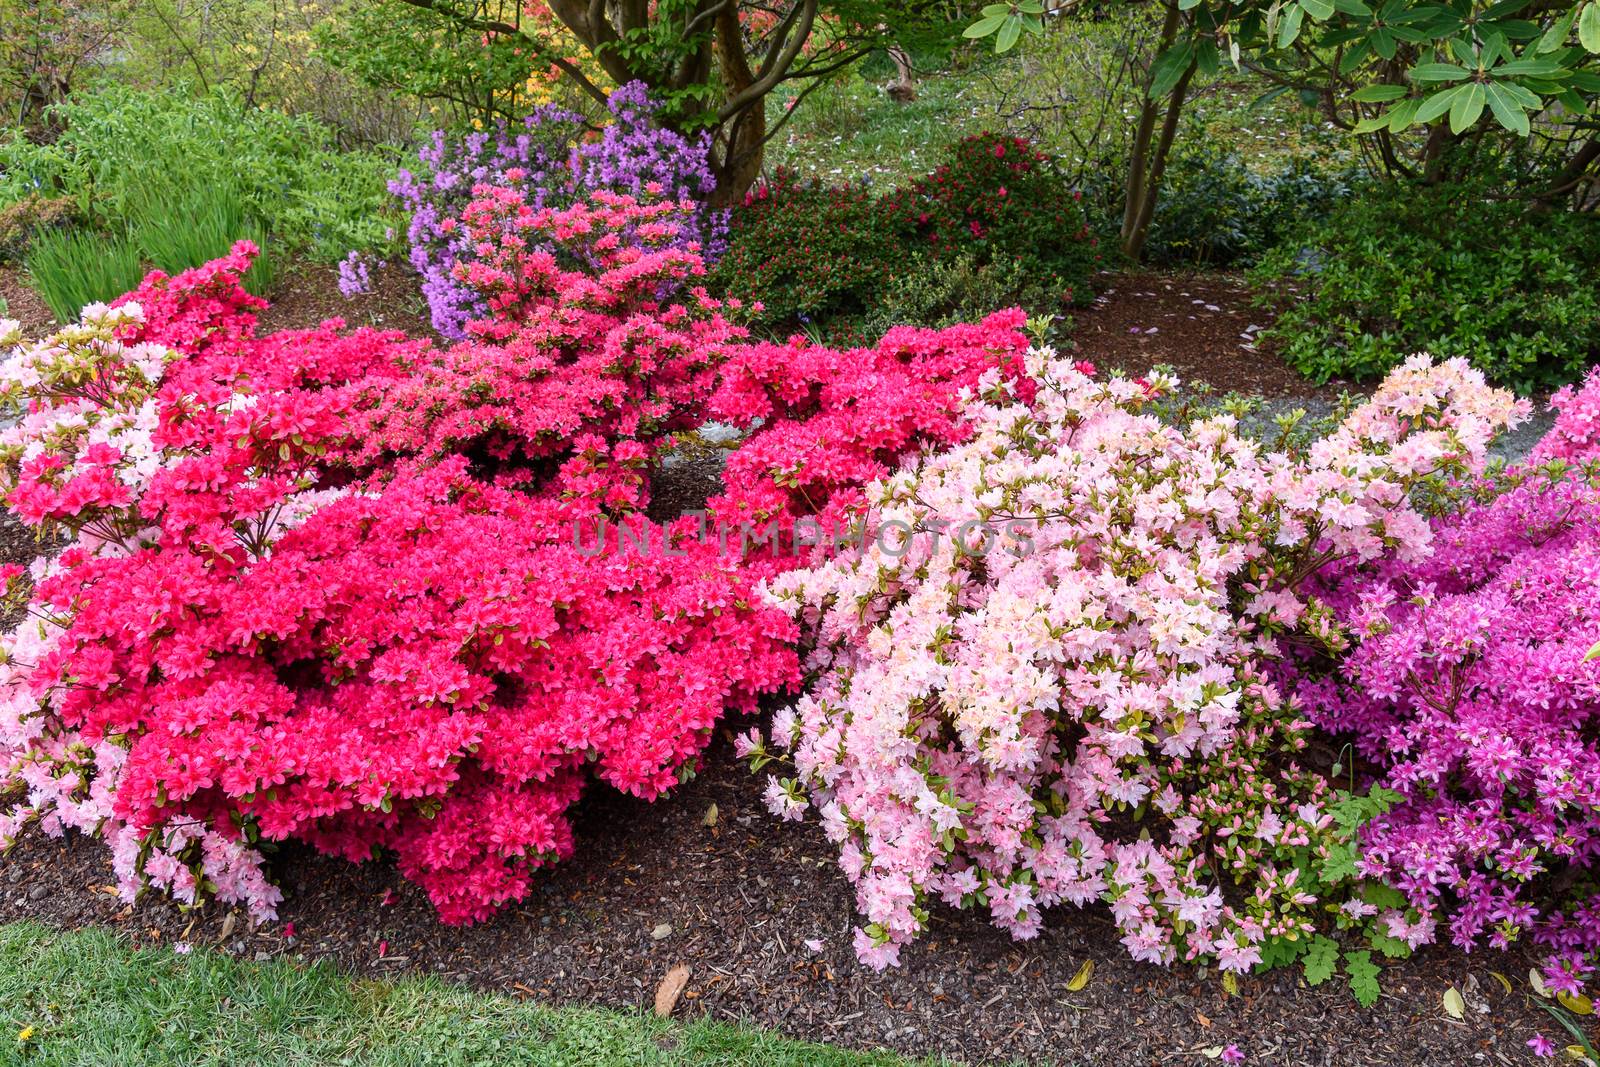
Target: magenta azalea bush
x,y
1469,685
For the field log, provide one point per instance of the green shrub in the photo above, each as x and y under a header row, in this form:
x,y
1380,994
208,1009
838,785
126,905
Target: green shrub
x,y
997,198
120,144
995,225
74,268
1445,271
941,292
1214,210
22,220
811,253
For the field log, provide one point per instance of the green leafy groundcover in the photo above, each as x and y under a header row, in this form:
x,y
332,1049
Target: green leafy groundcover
x,y
89,998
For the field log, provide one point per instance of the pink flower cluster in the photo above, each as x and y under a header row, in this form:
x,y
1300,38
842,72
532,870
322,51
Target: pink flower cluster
x,y
1469,687
328,586
1078,711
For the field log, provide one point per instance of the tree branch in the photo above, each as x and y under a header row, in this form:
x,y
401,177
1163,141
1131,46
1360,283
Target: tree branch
x,y
566,66
776,65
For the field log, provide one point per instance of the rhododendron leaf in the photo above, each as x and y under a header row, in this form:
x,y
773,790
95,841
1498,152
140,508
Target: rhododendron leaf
x,y
1505,983
1454,1006
1081,977
1230,983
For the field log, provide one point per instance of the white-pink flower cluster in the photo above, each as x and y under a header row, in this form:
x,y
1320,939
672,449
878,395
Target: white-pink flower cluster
x,y
1054,687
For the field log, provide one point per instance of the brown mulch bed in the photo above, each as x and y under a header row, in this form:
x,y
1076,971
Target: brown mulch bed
x,y
1201,325
744,896
308,293
708,879
23,304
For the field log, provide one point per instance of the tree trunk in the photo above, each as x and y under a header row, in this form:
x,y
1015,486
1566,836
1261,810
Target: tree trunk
x,y
1133,242
739,145
1139,186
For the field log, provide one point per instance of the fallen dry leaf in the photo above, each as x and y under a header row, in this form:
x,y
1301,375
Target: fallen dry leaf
x,y
670,989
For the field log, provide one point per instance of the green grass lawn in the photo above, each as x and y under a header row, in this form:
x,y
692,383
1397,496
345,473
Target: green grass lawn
x,y
87,998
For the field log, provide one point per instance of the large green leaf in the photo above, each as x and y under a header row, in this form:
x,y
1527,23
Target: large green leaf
x,y
1403,115
1439,72
1169,67
1589,27
1437,104
1507,112
1289,26
1556,36
1466,108
1378,94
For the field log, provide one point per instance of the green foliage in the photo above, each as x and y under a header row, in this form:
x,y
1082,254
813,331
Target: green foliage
x,y
928,291
120,144
1321,960
1363,975
424,54
183,227
994,226
1214,210
88,998
262,50
809,252
1387,67
1444,271
74,268
1328,875
998,197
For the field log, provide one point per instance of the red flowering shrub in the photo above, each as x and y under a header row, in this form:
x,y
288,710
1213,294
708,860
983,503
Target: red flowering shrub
x,y
839,259
1001,199
810,253
339,586
834,421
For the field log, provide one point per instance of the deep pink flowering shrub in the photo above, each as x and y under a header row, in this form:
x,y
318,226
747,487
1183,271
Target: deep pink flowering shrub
x,y
1576,432
1045,680
1467,685
337,587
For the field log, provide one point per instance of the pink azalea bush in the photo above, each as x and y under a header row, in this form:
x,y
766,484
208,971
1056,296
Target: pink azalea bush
x,y
332,586
1045,680
1468,686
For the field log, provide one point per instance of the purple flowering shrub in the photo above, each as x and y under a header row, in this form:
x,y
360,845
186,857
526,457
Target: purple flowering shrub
x,y
1468,683
552,159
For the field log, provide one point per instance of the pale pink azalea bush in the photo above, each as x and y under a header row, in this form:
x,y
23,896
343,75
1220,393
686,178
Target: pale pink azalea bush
x,y
1082,713
1468,686
328,586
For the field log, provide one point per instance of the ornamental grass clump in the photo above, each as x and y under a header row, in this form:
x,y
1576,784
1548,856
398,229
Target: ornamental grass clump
x,y
1047,681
